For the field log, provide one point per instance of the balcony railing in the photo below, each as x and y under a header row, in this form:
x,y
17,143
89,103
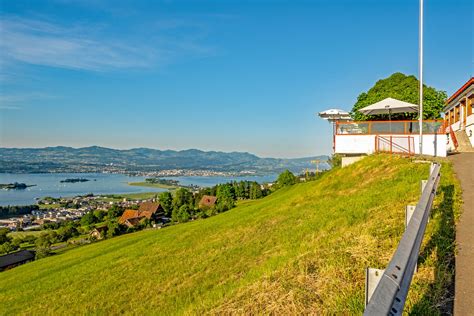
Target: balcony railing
x,y
389,127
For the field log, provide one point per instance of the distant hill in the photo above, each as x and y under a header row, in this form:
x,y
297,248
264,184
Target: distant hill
x,y
302,250
101,159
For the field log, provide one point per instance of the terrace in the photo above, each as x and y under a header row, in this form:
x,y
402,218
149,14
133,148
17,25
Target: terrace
x,y
367,137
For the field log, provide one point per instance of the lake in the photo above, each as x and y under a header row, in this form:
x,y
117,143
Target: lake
x,y
48,184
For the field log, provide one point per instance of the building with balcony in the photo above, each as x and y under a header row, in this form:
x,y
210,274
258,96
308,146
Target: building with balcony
x,y
401,137
459,118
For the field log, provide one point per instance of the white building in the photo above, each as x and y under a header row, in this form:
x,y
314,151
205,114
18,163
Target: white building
x,y
401,137
459,118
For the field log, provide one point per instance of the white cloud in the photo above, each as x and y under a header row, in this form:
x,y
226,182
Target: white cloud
x,y
44,43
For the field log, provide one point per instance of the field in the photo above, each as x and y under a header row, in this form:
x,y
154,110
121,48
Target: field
x,y
129,196
22,234
301,250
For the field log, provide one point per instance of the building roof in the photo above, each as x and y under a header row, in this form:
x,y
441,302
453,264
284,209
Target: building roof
x,y
146,214
133,221
15,258
208,200
127,214
461,90
151,207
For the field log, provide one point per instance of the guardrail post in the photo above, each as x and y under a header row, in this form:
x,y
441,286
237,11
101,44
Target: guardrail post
x,y
391,289
372,279
423,185
409,210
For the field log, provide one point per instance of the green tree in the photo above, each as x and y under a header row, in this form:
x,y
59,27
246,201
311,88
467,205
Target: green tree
x,y
225,197
286,178
114,211
181,215
43,245
99,215
88,219
255,191
405,88
166,201
182,197
335,160
4,235
114,228
66,232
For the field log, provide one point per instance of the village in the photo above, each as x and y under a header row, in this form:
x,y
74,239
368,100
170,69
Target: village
x,y
57,210
55,225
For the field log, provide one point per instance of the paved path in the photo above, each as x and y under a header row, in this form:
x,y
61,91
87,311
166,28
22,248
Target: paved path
x,y
464,283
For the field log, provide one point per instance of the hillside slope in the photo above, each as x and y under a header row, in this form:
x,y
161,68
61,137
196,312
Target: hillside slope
x,y
300,250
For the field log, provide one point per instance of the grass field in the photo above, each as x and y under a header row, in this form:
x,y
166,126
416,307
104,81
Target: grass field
x,y
21,234
301,250
48,206
130,196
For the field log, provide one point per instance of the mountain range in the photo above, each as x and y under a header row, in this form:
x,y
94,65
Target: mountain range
x,y
101,159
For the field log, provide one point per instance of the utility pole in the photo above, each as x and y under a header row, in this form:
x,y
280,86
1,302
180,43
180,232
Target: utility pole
x,y
316,162
420,111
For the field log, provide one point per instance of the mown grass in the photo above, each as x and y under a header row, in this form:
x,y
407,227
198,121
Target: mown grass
x,y
300,250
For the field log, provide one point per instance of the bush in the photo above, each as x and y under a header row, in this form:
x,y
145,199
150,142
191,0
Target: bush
x,y
335,160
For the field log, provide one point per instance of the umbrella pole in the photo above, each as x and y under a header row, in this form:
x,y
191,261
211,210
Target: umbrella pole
x,y
390,120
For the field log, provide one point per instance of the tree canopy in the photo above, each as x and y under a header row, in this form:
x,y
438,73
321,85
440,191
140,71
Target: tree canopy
x,y
286,178
405,88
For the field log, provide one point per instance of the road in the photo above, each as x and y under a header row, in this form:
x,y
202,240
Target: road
x,y
464,283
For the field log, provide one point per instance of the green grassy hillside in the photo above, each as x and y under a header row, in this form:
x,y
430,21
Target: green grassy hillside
x,y
300,250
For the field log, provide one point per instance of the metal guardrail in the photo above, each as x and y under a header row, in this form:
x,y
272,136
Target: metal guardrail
x,y
389,295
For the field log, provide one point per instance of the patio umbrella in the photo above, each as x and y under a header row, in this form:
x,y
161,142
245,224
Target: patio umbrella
x,y
333,116
389,106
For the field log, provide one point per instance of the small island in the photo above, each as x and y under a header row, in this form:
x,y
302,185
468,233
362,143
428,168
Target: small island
x,y
74,180
15,186
158,183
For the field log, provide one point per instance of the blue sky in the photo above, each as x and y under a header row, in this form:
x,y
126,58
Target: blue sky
x,y
214,75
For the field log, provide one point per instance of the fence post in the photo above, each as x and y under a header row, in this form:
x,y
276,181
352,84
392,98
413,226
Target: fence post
x,y
372,279
390,144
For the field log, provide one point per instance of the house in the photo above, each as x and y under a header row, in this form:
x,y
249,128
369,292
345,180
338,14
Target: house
x,y
150,210
133,222
128,214
98,232
459,118
14,259
207,201
354,139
